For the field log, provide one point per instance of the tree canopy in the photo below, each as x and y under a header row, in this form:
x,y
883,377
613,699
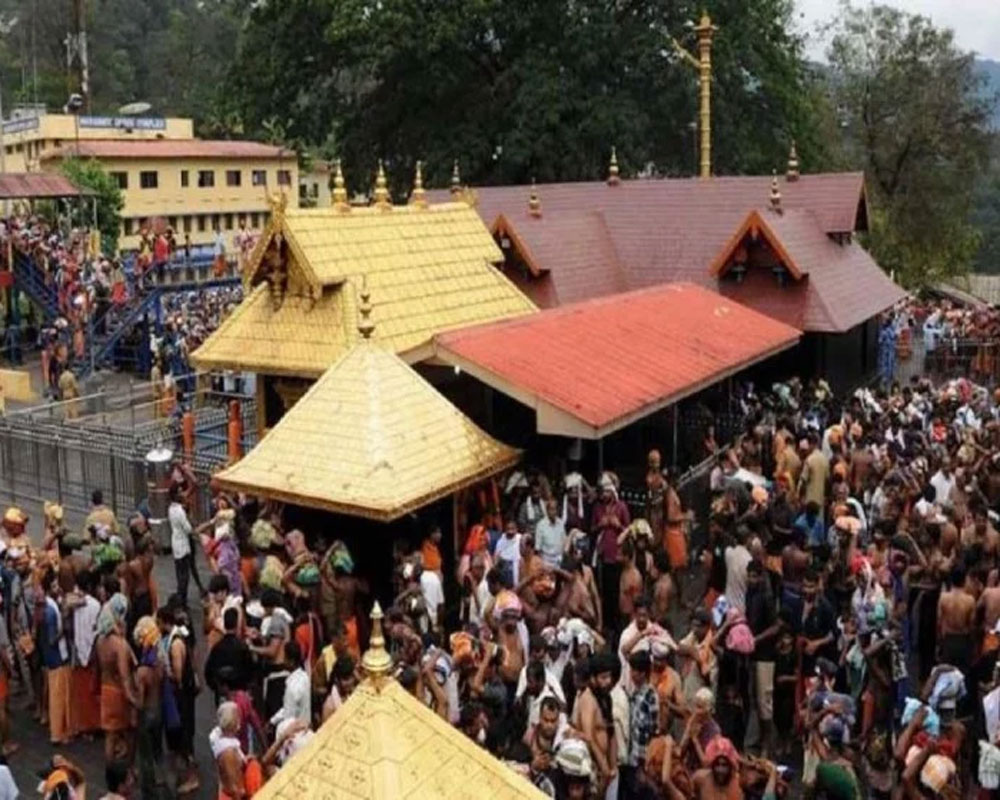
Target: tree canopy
x,y
917,123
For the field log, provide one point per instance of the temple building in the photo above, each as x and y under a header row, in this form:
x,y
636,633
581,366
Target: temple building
x,y
784,246
429,267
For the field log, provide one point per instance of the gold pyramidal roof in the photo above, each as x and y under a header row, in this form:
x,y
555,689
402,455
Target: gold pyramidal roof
x,y
430,269
382,744
370,438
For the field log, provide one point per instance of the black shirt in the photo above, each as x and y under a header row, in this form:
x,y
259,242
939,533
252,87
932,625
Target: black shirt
x,y
761,616
229,652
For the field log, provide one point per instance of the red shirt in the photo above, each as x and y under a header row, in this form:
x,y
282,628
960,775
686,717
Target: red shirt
x,y
160,249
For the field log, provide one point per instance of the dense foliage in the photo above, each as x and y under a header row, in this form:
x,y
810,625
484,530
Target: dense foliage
x,y
90,174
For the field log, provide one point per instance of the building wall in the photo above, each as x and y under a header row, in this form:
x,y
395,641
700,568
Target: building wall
x,y
314,187
155,188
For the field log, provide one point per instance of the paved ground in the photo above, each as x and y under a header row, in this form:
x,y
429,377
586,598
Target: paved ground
x,y
34,740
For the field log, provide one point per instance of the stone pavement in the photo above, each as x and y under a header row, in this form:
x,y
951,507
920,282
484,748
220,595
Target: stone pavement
x,y
36,750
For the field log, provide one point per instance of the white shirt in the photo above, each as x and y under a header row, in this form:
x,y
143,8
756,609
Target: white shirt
x,y
297,703
737,559
943,484
478,605
180,530
8,789
550,537
430,585
509,549
85,629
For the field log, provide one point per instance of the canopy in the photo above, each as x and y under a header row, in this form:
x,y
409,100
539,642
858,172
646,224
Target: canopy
x,y
589,369
38,185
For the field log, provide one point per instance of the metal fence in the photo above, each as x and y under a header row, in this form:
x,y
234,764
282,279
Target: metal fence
x,y
64,451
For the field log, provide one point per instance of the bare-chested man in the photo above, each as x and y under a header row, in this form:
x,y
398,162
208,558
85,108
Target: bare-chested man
x,y
719,780
795,561
982,534
988,607
513,650
630,583
137,580
583,600
663,590
592,717
118,695
956,621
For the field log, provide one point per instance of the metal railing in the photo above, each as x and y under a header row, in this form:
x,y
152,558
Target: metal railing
x,y
64,451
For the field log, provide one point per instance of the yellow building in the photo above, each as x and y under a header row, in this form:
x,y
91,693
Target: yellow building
x,y
195,186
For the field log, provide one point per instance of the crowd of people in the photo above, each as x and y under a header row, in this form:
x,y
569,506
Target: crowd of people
x,y
832,625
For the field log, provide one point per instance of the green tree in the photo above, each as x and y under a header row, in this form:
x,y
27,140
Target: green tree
x,y
986,214
517,89
90,174
916,121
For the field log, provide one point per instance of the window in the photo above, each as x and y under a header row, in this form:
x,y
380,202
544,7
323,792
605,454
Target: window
x,y
254,220
201,223
149,179
259,177
284,177
232,177
121,178
187,224
184,179
215,222
128,226
18,148
229,222
206,178
172,222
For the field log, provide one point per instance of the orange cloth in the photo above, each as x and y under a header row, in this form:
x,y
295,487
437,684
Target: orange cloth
x,y
430,556
351,637
60,724
219,266
676,546
115,710
86,710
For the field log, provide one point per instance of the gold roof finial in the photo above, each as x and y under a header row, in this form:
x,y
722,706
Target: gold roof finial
x,y
419,196
613,179
376,660
792,173
381,197
775,193
365,325
456,179
534,201
340,201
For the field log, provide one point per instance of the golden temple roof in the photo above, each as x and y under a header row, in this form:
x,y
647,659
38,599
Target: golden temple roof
x,y
370,438
382,744
429,269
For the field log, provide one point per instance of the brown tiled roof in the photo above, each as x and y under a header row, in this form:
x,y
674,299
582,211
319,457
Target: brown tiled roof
x,y
168,148
17,185
657,231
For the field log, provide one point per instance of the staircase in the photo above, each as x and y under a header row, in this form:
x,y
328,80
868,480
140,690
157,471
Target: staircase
x,y
31,280
119,322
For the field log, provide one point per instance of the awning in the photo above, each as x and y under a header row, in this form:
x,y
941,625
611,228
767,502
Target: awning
x,y
32,185
589,369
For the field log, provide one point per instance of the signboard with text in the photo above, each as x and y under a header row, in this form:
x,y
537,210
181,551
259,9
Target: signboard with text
x,y
18,125
131,123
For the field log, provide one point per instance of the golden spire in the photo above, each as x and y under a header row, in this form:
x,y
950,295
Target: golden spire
x,y
775,193
792,173
419,196
365,325
534,201
340,201
613,168
381,197
456,179
376,661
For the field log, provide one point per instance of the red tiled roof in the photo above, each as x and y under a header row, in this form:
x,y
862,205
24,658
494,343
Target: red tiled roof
x,y
643,350
647,232
168,148
17,185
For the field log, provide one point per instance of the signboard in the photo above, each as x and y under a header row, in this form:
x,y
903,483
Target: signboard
x,y
18,125
133,123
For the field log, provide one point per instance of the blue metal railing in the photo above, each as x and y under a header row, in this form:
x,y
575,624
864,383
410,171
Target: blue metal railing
x,y
31,280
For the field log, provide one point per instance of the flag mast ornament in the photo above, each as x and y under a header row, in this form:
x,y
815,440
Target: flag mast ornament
x,y
365,325
705,31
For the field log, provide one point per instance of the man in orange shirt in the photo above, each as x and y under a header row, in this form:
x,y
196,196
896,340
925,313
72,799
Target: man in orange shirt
x,y
430,551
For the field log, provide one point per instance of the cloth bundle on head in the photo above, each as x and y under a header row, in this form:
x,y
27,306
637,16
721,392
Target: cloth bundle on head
x,y
262,534
573,759
640,527
759,495
147,633
14,521
112,614
272,573
932,722
948,689
607,483
516,480
477,540
507,602
463,648
307,575
340,558
740,638
704,700
721,747
937,772
847,524
53,512
573,480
